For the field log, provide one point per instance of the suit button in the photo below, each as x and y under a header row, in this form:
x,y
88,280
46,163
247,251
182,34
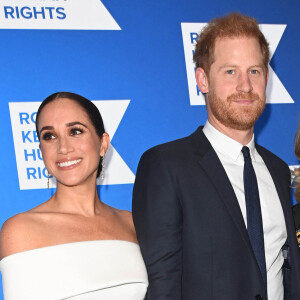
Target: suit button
x,y
259,297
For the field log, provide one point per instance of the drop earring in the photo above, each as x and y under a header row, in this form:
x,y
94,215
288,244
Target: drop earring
x,y
48,181
102,167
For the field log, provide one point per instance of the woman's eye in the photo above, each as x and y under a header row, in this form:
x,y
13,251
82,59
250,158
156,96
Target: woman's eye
x,y
75,131
48,136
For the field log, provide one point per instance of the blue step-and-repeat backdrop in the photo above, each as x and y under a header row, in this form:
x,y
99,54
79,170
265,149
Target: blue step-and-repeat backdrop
x,y
134,59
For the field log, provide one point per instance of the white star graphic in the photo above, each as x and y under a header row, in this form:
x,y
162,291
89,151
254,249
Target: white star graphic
x,y
116,170
276,92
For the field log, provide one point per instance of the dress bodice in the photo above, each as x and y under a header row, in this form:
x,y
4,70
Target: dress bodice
x,y
90,270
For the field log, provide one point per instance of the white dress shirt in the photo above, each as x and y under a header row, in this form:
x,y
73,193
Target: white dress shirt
x,y
231,157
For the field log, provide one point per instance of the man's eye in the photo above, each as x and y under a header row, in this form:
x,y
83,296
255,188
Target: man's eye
x,y
48,136
76,131
254,72
230,72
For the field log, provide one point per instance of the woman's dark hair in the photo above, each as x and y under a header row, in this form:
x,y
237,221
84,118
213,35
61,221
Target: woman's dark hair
x,y
89,107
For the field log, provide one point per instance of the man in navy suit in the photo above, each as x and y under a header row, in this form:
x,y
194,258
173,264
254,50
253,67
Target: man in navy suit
x,y
189,204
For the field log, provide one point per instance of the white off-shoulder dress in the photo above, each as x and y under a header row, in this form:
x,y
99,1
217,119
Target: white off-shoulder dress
x,y
90,270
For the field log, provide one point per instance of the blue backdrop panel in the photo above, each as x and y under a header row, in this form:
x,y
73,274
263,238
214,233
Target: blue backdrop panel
x,y
143,62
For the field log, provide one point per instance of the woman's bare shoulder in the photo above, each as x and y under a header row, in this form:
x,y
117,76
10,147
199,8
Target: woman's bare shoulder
x,y
125,218
122,215
16,233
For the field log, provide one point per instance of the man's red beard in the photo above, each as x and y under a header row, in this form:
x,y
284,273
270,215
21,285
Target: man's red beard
x,y
235,116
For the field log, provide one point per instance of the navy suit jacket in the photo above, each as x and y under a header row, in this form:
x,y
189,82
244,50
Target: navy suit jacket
x,y
191,230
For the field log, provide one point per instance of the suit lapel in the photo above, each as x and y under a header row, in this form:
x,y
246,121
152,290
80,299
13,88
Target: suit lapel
x,y
210,163
280,184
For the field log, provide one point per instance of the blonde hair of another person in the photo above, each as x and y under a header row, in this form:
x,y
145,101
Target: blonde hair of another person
x,y
296,172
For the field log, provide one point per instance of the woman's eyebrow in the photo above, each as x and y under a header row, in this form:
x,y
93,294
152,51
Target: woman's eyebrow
x,y
75,123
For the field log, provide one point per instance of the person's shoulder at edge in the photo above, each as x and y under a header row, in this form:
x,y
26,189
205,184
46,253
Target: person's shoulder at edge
x,y
175,147
15,234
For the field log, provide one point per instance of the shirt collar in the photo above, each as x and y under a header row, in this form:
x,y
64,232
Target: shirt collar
x,y
226,145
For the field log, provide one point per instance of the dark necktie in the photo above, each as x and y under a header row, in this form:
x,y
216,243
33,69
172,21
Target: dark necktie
x,y
254,218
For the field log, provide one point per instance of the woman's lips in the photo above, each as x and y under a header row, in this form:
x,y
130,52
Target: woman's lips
x,y
69,163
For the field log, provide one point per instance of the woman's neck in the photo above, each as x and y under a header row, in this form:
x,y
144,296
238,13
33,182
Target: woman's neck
x,y
82,199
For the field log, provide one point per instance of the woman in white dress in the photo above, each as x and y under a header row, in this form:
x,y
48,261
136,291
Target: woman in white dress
x,y
73,246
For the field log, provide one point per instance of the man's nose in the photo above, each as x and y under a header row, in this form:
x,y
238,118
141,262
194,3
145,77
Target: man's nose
x,y
244,83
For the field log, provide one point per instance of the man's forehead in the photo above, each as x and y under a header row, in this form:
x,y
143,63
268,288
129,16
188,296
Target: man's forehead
x,y
237,52
232,45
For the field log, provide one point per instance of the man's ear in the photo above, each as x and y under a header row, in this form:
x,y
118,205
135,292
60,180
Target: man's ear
x,y
105,140
202,80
